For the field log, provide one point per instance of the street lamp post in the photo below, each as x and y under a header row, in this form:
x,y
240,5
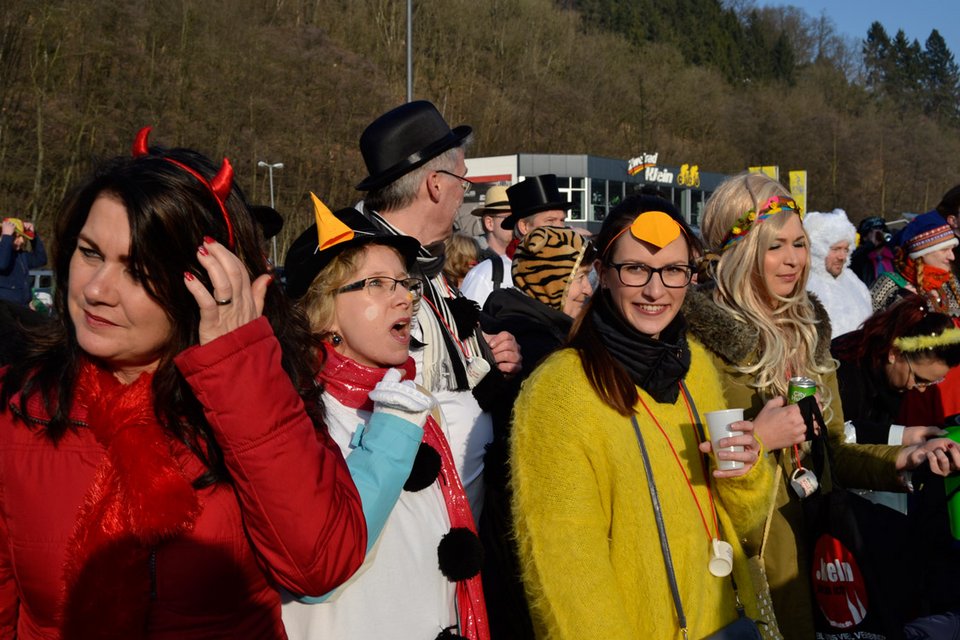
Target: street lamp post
x,y
409,50
270,168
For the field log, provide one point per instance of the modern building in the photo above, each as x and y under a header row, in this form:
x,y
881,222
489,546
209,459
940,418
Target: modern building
x,y
592,184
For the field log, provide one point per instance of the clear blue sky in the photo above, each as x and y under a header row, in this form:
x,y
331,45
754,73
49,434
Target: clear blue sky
x,y
917,18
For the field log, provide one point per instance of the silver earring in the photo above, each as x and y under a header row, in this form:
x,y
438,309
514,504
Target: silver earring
x,y
336,340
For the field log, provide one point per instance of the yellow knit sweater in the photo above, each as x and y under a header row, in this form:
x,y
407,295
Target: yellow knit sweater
x,y
589,549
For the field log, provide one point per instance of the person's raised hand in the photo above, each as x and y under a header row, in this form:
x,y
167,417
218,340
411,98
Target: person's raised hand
x,y
779,425
506,352
402,399
235,301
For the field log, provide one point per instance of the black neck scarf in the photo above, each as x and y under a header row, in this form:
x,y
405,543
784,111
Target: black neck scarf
x,y
656,366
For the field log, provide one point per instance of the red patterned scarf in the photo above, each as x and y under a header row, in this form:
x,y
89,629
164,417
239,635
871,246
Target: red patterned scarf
x,y
139,498
933,277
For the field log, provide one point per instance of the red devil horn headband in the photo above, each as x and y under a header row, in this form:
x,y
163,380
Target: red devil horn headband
x,y
220,186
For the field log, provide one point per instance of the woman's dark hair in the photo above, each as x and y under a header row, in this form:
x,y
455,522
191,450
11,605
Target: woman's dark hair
x,y
608,378
907,318
169,212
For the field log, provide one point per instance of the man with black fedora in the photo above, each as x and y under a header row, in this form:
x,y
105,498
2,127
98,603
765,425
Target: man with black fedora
x,y
534,202
415,185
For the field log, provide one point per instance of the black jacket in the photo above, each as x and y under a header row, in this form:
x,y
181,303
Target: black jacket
x,y
867,398
540,330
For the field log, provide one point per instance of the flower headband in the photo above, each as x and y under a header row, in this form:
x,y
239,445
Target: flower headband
x,y
914,344
743,225
219,187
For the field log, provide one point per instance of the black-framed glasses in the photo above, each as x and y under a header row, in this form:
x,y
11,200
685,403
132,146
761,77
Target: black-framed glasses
x,y
381,286
918,382
465,182
637,274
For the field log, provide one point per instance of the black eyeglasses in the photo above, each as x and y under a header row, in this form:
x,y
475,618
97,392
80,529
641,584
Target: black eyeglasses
x,y
464,182
380,286
918,382
637,274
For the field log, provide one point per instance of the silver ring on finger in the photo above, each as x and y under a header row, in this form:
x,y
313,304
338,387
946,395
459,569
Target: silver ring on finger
x,y
223,302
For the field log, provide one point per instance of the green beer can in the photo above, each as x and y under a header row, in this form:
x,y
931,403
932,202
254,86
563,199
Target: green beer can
x,y
799,388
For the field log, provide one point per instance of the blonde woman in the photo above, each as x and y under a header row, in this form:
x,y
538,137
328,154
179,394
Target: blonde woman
x,y
421,576
762,329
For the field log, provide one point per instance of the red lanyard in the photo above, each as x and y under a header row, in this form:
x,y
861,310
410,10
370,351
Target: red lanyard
x,y
683,470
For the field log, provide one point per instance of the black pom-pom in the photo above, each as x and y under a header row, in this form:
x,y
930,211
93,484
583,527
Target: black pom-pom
x,y
448,634
466,315
460,554
426,468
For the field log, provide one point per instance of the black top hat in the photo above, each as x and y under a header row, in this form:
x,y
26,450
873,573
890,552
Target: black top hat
x,y
533,195
305,260
403,139
270,221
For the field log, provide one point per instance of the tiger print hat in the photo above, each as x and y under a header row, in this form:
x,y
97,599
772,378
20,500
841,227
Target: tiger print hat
x,y
546,260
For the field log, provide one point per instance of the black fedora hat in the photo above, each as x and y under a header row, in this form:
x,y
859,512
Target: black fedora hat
x,y
533,195
305,260
403,139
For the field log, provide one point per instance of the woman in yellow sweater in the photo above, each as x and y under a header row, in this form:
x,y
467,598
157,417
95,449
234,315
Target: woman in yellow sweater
x,y
588,536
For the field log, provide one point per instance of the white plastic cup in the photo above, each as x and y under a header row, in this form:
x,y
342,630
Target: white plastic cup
x,y
717,423
721,562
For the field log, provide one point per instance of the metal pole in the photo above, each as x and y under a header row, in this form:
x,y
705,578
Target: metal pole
x,y
409,50
270,173
270,167
273,240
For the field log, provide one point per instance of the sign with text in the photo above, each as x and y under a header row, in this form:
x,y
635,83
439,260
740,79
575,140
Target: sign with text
x,y
798,188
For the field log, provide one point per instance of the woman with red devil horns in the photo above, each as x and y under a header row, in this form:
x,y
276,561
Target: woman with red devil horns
x,y
159,472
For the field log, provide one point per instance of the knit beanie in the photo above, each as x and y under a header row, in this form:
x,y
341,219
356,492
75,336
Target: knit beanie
x,y
925,234
545,261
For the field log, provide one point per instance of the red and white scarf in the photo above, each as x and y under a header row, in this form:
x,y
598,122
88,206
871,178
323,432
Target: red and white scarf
x,y
351,383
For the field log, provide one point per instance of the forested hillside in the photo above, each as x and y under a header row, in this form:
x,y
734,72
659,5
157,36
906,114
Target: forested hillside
x,y
874,121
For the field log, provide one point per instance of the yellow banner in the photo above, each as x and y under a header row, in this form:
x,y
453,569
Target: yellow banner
x,y
770,170
798,188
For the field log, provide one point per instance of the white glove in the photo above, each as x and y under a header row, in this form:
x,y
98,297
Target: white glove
x,y
401,399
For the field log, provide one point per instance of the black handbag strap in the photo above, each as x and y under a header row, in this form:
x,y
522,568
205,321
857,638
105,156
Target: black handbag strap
x,y
661,529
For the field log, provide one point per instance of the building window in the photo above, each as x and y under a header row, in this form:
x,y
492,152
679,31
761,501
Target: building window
x,y
598,198
573,190
615,193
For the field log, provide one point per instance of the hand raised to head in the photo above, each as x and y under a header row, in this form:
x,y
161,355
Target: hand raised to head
x,y
235,301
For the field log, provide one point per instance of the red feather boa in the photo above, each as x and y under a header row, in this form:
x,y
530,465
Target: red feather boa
x,y
139,498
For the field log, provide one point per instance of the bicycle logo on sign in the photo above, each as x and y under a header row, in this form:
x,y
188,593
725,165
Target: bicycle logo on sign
x,y
689,175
